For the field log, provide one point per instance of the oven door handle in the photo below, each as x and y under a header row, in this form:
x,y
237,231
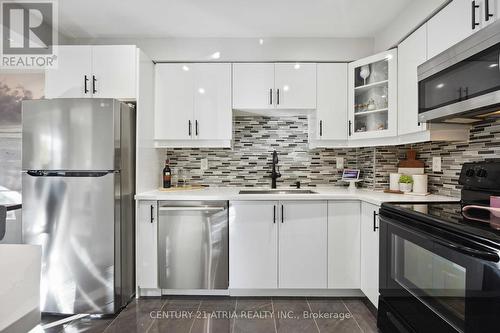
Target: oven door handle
x,y
489,256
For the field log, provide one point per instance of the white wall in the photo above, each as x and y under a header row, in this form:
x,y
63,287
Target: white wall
x,y
246,49
409,19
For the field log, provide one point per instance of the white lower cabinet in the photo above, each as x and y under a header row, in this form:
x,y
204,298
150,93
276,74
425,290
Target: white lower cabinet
x,y
303,244
253,245
370,251
344,237
260,232
147,245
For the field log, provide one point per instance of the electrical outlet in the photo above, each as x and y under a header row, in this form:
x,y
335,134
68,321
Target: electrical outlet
x,y
436,164
339,161
204,164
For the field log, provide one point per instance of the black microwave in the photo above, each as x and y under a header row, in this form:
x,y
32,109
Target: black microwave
x,y
462,84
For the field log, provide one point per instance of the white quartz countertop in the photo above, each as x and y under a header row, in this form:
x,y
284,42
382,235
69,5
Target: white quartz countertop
x,y
322,193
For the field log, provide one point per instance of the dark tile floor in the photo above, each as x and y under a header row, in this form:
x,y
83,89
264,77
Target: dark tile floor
x,y
224,314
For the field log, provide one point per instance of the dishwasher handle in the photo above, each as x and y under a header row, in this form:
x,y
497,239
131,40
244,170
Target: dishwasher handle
x,y
191,208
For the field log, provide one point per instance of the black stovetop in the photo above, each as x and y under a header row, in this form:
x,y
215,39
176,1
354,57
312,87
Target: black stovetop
x,y
449,216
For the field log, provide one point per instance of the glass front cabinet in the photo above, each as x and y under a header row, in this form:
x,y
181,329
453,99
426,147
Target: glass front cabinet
x,y
373,96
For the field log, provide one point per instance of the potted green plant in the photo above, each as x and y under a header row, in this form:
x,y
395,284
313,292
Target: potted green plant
x,y
405,183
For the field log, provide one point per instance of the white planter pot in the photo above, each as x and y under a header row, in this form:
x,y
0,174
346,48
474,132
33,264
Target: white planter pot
x,y
404,187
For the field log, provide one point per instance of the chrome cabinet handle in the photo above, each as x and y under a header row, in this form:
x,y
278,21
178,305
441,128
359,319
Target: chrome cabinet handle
x,y
473,14
487,13
152,213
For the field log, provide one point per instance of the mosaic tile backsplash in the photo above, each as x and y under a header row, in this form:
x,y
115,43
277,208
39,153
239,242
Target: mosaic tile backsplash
x,y
249,162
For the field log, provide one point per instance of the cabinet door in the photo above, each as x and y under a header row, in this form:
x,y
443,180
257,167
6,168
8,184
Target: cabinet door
x,y
212,102
451,25
174,101
370,252
253,86
114,71
344,241
295,86
253,244
331,105
303,244
146,245
489,11
373,83
72,74
412,52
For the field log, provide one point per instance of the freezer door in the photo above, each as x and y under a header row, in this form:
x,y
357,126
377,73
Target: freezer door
x,y
70,134
73,218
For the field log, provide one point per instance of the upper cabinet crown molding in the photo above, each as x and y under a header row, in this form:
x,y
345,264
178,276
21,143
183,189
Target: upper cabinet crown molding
x,y
86,71
193,105
268,86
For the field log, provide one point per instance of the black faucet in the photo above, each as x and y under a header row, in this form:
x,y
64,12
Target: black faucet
x,y
275,173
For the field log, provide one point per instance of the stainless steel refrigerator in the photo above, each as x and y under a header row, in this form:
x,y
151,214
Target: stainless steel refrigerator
x,y
78,183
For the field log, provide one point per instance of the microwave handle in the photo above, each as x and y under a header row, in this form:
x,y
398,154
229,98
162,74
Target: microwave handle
x,y
488,256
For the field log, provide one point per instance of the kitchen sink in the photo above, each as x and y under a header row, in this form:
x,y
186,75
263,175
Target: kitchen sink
x,y
277,191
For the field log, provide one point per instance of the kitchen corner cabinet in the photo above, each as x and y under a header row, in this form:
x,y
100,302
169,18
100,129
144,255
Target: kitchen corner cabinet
x,y
344,240
331,107
260,232
253,245
372,109
370,251
457,21
268,86
146,245
86,71
193,105
412,52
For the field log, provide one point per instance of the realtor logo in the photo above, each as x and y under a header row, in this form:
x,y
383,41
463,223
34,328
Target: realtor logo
x,y
28,33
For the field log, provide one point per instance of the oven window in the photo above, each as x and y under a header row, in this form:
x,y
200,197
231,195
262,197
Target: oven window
x,y
436,281
474,76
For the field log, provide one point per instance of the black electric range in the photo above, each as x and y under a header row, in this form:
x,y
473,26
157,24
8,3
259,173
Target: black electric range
x,y
439,265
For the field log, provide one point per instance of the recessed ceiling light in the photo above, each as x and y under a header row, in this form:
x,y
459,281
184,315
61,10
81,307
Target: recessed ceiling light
x,y
185,68
296,66
439,86
201,90
261,41
215,55
286,88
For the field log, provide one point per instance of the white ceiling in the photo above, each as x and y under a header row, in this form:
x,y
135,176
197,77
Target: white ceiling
x,y
226,18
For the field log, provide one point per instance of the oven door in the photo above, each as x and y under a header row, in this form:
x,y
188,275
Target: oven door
x,y
437,283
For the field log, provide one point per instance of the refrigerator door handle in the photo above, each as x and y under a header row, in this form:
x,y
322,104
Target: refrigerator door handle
x,y
49,173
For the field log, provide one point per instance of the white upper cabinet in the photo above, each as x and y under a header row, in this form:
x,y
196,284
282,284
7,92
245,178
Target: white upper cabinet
x,y
303,244
108,71
412,52
73,75
212,102
331,107
253,244
253,86
457,21
193,105
295,85
373,96
264,86
174,102
114,71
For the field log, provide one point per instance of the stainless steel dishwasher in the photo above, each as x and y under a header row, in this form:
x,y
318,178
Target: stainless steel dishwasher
x,y
193,245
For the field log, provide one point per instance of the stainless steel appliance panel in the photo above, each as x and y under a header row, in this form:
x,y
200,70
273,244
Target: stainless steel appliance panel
x,y
193,245
73,218
70,134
